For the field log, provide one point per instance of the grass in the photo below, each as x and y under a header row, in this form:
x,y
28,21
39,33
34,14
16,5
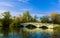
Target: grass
x,y
57,27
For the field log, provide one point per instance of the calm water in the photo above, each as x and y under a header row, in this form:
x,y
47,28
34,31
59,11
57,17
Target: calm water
x,y
29,33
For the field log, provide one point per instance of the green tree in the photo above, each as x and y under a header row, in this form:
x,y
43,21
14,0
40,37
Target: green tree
x,y
16,23
55,17
35,18
44,19
26,17
6,21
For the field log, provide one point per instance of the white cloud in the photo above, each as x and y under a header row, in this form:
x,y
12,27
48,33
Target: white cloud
x,y
25,9
1,11
13,13
16,13
24,1
39,15
36,14
59,1
6,4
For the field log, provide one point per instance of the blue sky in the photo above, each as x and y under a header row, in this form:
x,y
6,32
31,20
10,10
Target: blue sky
x,y
36,7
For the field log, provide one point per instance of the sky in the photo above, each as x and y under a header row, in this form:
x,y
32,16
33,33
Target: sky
x,y
35,7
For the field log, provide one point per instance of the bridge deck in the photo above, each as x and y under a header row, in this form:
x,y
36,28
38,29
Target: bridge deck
x,y
39,24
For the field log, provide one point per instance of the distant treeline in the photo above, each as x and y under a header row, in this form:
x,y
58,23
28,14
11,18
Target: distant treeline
x,y
8,20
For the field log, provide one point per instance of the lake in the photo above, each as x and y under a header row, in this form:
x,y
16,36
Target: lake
x,y
29,33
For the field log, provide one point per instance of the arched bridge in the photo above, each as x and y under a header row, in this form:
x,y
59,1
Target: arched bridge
x,y
39,24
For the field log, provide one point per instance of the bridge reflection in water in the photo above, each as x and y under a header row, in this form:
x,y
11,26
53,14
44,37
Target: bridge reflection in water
x,y
34,33
30,33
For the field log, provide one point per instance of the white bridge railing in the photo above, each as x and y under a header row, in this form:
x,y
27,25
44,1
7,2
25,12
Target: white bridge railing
x,y
39,24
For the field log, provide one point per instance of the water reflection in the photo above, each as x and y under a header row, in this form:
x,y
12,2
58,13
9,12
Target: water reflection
x,y
5,32
29,33
36,33
56,33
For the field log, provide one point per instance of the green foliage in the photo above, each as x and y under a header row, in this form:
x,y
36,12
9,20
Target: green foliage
x,y
0,24
26,17
35,18
55,18
44,19
16,22
57,27
6,21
